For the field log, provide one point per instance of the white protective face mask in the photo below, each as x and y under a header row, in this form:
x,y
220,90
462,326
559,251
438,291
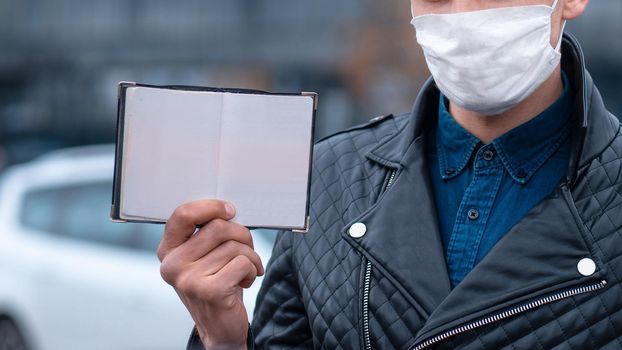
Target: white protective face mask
x,y
489,61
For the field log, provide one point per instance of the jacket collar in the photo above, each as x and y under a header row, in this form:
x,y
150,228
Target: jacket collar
x,y
402,238
592,127
391,152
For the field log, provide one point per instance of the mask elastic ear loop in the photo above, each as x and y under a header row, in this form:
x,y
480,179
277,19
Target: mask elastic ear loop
x,y
561,37
554,4
561,33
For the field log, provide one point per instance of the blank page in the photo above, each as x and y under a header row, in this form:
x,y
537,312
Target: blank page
x,y
171,148
265,158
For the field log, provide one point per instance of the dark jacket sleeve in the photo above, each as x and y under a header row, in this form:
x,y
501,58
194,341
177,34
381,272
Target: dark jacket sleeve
x,y
280,319
194,343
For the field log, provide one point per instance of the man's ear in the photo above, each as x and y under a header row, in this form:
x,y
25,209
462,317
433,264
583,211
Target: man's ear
x,y
574,8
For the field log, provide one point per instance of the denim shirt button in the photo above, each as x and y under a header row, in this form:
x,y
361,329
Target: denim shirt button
x,y
489,155
473,214
521,173
450,171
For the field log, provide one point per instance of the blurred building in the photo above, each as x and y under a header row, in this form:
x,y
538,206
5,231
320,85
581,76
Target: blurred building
x,y
60,60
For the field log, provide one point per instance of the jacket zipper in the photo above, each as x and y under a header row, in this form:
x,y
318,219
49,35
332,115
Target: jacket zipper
x,y
367,282
509,313
366,285
390,182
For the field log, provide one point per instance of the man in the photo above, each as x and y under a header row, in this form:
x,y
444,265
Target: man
x,y
490,217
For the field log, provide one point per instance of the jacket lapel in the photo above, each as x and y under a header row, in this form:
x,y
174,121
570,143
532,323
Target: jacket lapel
x,y
402,238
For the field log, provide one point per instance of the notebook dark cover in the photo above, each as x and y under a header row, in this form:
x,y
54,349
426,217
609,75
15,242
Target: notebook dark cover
x,y
115,212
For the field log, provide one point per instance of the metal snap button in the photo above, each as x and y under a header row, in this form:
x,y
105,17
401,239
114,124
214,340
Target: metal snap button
x,y
489,154
357,230
473,214
586,267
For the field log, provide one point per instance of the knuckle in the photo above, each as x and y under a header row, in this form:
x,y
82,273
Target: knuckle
x,y
240,234
183,213
251,256
194,287
219,225
246,251
186,286
248,238
209,232
219,230
256,256
169,272
237,250
191,287
230,247
246,263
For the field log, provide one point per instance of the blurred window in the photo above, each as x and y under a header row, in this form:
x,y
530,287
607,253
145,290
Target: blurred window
x,y
81,212
39,210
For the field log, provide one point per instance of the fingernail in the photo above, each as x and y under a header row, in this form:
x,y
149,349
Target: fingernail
x,y
229,209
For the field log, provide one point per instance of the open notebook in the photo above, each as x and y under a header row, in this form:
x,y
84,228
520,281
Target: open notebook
x,y
176,144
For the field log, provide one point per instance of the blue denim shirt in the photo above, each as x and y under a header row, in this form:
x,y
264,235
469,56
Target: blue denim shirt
x,y
482,190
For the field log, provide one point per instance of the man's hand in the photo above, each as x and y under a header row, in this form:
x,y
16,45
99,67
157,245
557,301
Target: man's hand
x,y
208,269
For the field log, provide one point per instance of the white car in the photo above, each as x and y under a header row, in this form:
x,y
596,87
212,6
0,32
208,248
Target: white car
x,y
72,279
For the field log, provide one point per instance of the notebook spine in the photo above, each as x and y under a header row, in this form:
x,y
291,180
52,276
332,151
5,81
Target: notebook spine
x,y
115,210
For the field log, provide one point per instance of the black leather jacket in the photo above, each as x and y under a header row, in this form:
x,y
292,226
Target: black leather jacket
x,y
384,285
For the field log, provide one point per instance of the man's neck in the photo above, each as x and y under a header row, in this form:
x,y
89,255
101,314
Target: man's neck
x,y
488,128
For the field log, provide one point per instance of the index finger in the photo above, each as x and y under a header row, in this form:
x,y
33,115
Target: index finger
x,y
185,219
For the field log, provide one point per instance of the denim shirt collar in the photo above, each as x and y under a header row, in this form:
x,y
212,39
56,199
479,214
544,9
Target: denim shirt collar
x,y
522,150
